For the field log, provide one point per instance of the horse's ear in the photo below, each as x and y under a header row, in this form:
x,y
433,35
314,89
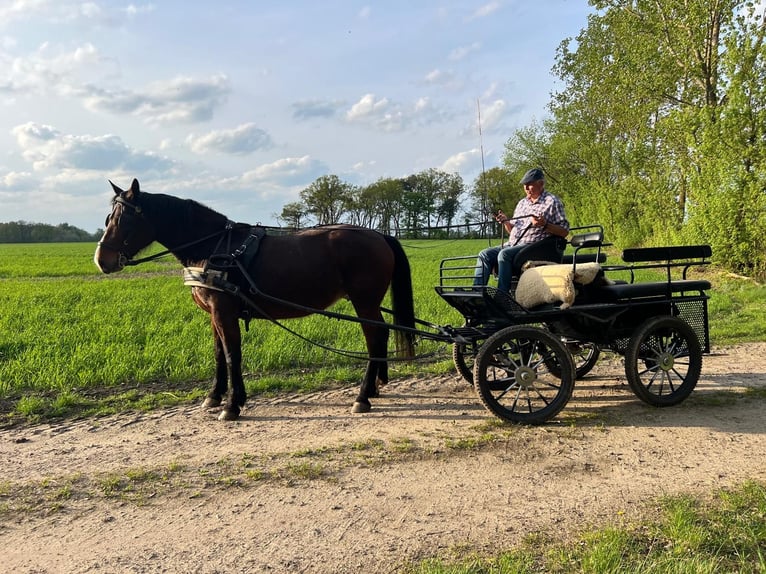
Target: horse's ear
x,y
117,190
134,190
132,193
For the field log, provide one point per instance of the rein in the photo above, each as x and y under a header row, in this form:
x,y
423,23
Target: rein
x,y
229,226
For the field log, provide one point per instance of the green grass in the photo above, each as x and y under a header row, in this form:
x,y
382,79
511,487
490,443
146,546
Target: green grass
x,y
73,341
726,533
76,343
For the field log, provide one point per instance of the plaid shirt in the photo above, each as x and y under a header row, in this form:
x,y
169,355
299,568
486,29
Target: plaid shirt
x,y
548,206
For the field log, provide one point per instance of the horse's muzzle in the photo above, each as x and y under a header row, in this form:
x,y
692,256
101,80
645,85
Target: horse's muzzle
x,y
109,260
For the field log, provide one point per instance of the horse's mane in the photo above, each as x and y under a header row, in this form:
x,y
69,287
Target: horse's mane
x,y
179,214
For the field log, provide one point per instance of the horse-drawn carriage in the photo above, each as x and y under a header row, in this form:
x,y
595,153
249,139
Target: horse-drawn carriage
x,y
524,360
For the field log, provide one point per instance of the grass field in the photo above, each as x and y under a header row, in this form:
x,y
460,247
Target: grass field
x,y
73,340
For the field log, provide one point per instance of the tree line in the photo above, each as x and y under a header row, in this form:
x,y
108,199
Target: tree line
x,y
24,232
426,204
658,133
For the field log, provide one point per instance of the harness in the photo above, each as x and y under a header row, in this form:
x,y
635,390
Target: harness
x,y
215,273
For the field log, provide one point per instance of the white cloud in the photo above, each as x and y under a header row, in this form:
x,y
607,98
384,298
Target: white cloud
x,y
17,181
384,115
64,11
443,79
47,71
242,140
493,114
47,148
287,171
463,161
380,114
181,100
367,107
309,109
485,10
461,52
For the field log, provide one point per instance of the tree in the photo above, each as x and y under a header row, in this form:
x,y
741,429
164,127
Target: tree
x,y
728,205
293,214
388,203
639,87
327,199
492,190
25,232
448,196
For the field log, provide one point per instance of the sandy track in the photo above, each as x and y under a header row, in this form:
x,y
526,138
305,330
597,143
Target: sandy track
x,y
427,471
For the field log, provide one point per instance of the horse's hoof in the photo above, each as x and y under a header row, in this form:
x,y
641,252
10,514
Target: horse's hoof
x,y
227,415
211,403
360,407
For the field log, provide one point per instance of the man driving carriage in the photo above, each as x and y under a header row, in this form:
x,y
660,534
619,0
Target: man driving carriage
x,y
535,232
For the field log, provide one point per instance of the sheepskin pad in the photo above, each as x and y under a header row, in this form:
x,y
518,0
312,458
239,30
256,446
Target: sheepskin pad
x,y
552,283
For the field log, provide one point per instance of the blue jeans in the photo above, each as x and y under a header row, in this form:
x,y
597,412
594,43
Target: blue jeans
x,y
510,259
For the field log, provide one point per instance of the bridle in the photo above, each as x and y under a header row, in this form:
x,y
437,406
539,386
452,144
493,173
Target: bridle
x,y
136,211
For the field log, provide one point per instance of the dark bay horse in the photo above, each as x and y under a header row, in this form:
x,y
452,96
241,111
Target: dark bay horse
x,y
313,269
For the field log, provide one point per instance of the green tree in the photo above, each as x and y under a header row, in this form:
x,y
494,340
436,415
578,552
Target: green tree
x,y
388,200
492,190
641,82
293,214
728,206
327,199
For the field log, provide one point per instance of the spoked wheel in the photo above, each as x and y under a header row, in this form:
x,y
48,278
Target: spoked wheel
x,y
663,361
513,379
462,356
584,355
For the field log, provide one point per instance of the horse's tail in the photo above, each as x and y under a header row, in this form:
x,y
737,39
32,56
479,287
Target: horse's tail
x,y
402,303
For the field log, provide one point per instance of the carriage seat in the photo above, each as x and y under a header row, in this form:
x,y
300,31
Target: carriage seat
x,y
622,292
667,258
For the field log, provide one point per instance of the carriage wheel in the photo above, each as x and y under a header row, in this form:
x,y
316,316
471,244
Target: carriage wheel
x,y
462,356
584,355
512,377
663,361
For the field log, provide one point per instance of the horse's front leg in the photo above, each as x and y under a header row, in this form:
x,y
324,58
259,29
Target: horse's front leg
x,y
224,319
221,383
231,343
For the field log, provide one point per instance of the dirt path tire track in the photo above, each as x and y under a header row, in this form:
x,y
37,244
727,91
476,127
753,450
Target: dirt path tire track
x,y
399,484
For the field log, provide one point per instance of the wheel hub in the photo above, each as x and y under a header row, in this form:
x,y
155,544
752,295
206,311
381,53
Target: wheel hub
x,y
525,377
666,361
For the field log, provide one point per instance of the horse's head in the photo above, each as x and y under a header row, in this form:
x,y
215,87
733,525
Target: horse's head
x,y
127,230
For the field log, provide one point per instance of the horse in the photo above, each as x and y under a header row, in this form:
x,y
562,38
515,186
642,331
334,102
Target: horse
x,y
267,276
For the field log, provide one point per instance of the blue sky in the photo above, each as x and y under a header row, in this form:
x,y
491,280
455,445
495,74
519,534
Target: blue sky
x,y
240,105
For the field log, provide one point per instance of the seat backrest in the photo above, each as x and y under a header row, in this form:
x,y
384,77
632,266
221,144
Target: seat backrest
x,y
592,239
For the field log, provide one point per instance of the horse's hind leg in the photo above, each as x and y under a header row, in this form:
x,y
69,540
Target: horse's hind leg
x,y
377,370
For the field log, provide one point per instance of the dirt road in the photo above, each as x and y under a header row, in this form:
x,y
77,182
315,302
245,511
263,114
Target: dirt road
x,y
300,484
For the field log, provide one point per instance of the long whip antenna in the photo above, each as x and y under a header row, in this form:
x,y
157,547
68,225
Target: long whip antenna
x,y
485,207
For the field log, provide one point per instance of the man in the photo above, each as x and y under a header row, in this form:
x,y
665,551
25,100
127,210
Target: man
x,y
537,237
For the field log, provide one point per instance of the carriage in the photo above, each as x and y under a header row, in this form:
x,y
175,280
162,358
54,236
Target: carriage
x,y
524,360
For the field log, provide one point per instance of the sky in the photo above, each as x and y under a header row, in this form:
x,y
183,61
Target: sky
x,y
241,105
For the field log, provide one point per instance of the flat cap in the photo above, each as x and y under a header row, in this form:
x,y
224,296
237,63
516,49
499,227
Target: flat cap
x,y
532,175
